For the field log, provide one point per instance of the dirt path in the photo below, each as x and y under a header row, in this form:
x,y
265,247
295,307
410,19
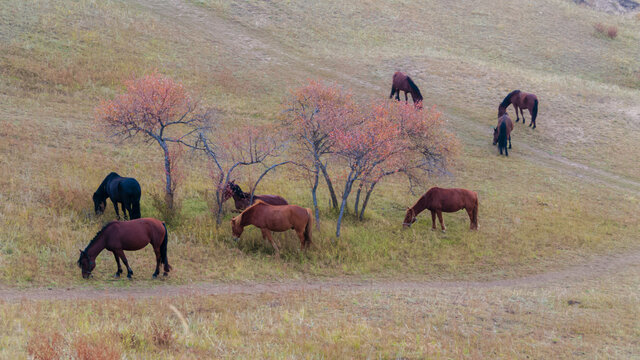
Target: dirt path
x,y
594,269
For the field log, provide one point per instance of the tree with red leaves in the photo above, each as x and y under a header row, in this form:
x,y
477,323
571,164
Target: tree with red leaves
x,y
310,114
159,109
391,138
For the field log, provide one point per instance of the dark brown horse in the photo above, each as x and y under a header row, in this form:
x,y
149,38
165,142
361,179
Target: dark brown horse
x,y
438,200
242,199
402,82
123,190
502,133
520,100
118,236
275,218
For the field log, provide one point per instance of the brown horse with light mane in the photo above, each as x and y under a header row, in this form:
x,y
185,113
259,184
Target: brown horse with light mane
x,y
402,82
502,133
520,100
118,236
275,218
438,200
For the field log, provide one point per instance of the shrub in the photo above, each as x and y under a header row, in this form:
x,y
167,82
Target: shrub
x,y
162,336
612,32
45,346
91,349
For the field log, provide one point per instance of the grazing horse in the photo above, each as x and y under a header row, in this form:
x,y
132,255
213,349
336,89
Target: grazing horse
x,y
438,200
520,100
275,218
502,133
120,190
402,82
118,236
241,198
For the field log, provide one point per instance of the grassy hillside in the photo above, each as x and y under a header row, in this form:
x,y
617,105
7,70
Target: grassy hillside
x,y
569,189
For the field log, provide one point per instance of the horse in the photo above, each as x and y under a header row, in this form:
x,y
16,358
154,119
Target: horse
x,y
275,218
120,190
241,198
132,235
502,133
402,82
438,200
520,99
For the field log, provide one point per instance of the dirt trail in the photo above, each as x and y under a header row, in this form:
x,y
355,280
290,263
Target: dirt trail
x,y
594,269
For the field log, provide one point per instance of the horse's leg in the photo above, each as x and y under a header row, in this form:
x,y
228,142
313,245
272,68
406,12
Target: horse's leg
x,y
441,221
516,108
509,141
398,95
124,212
301,236
433,220
406,98
117,275
115,206
126,263
266,233
523,120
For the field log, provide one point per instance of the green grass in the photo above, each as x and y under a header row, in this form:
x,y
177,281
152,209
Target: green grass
x,y
537,207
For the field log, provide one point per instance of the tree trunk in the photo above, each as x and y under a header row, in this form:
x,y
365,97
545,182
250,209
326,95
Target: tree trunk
x,y
345,196
219,199
334,199
167,171
366,200
314,194
355,207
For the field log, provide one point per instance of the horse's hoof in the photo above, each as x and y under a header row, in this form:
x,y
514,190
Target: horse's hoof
x,y
444,231
116,276
154,276
165,274
433,229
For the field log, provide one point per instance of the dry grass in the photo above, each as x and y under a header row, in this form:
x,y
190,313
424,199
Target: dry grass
x,y
467,323
535,207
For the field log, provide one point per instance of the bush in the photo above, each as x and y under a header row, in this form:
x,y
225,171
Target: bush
x,y
170,215
45,346
610,31
92,349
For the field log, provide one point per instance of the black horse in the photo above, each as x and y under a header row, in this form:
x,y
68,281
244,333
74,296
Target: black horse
x,y
120,190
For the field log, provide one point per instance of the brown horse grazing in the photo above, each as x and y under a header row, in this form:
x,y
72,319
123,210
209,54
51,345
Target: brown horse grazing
x,y
275,218
402,82
438,200
118,236
502,133
241,198
520,100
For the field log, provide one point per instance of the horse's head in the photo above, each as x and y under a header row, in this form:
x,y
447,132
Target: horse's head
x,y
409,218
418,105
86,264
227,193
99,203
495,135
236,227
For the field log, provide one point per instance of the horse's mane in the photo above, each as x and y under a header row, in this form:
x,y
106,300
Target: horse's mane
x,y
505,103
95,238
103,184
238,191
415,89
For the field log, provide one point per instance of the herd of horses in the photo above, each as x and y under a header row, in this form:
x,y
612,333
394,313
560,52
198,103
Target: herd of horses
x,y
273,212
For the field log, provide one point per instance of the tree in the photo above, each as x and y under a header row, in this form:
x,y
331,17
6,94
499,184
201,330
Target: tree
x,y
240,147
423,147
159,109
311,113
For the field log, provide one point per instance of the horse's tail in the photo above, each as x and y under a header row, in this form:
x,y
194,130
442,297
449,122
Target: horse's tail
x,y
475,212
135,209
507,100
415,89
502,135
307,229
163,249
534,112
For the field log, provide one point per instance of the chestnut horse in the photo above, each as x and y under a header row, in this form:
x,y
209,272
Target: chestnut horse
x,y
241,198
438,200
520,100
502,133
275,218
132,235
402,82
